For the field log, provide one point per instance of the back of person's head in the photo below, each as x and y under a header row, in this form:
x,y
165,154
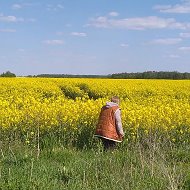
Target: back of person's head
x,y
115,99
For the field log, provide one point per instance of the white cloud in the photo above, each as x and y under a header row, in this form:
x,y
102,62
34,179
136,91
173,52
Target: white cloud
x,y
160,7
138,23
124,45
31,20
185,48
100,22
184,35
51,7
114,14
16,6
60,6
54,42
20,6
184,7
166,41
10,19
174,56
81,34
7,30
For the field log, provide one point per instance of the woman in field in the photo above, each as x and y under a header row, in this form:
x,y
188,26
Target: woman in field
x,y
109,127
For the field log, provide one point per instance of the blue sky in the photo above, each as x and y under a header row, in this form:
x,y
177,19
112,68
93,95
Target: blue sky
x,y
94,36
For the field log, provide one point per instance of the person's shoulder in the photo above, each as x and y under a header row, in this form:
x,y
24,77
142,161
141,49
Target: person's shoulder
x,y
115,108
118,110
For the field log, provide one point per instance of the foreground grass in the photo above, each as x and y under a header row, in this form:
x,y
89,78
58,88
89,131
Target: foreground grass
x,y
133,168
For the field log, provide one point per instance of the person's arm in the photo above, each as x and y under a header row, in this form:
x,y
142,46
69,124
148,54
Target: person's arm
x,y
118,122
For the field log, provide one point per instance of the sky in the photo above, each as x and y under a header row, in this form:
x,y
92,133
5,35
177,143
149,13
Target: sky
x,y
94,36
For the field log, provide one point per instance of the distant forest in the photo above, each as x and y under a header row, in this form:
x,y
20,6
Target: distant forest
x,y
68,76
152,75
139,75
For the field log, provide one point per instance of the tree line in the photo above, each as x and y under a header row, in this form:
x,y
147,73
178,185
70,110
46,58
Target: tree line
x,y
69,76
138,75
152,75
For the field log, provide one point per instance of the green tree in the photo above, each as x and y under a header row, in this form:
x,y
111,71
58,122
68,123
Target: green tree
x,y
8,74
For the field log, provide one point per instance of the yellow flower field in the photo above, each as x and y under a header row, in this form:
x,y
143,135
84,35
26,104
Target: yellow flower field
x,y
28,104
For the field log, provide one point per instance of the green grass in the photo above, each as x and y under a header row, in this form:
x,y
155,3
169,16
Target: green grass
x,y
133,167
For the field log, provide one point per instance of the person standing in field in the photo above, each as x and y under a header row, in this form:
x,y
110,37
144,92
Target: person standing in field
x,y
109,127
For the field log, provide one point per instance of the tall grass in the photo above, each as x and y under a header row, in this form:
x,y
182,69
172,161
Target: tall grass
x,y
141,165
